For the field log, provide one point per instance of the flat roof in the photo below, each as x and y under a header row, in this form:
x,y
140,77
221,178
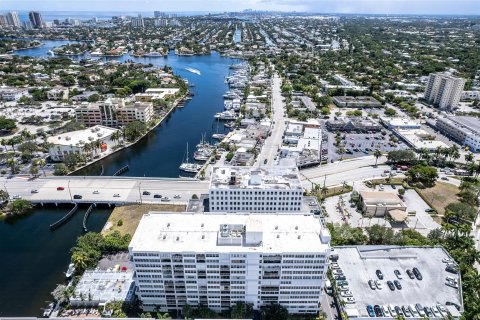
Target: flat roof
x,y
195,232
272,177
81,137
471,123
380,197
103,286
359,264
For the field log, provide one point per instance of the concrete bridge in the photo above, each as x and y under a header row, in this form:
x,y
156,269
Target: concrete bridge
x,y
103,190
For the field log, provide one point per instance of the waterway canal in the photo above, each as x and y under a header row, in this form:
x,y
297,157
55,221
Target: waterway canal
x,y
34,257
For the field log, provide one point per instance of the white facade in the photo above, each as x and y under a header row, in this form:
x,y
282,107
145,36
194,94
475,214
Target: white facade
x,y
13,19
216,260
255,189
444,90
13,94
138,23
74,142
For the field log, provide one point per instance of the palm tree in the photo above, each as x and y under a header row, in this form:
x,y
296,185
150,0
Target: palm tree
x,y
87,149
12,162
438,152
469,157
377,154
41,164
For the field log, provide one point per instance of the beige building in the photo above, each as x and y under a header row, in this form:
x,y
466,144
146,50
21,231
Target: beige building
x,y
381,203
113,113
444,90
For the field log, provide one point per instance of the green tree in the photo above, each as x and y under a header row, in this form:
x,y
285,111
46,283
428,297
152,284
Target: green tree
x,y
274,311
424,174
19,207
60,169
377,154
7,124
242,310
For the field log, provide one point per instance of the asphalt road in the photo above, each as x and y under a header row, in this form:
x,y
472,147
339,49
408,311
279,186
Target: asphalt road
x,y
102,190
274,141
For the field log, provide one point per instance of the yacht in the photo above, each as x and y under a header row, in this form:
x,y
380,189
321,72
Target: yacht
x,y
50,53
219,136
153,54
190,167
226,115
193,70
70,271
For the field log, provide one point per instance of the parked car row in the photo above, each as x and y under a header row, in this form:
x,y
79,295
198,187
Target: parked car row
x,y
395,284
408,311
343,292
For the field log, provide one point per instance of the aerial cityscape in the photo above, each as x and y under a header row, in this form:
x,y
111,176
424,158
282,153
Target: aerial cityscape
x,y
254,159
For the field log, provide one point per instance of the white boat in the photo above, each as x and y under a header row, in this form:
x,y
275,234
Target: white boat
x,y
229,124
70,271
48,310
50,53
190,167
219,136
153,54
193,70
226,115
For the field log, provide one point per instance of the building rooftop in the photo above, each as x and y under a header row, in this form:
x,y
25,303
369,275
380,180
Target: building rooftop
x,y
273,177
97,287
400,122
359,264
380,197
470,123
209,232
81,137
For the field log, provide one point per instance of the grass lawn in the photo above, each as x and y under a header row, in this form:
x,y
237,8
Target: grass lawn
x,y
440,196
130,216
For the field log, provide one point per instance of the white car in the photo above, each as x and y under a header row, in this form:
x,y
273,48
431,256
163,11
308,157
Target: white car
x,y
34,191
345,293
177,196
378,284
17,197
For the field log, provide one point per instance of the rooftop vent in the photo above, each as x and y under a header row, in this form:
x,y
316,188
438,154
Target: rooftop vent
x,y
299,237
203,236
164,237
178,238
168,225
276,227
296,227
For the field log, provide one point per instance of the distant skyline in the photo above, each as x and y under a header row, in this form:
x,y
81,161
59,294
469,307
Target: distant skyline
x,y
440,7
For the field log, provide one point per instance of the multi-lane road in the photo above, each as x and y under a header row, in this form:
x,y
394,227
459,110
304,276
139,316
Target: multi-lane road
x,y
104,189
274,141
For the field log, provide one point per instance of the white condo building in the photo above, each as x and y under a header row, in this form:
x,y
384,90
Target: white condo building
x,y
216,260
255,189
444,90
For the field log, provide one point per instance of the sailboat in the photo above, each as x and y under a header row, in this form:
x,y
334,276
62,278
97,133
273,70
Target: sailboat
x,y
217,135
190,167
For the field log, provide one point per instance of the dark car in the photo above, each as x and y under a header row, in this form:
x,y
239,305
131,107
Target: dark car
x,y
146,193
417,274
378,311
340,277
428,312
410,274
265,161
77,196
398,274
398,310
379,274
390,285
370,311
157,196
451,268
397,284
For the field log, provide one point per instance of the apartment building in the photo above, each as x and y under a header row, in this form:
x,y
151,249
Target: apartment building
x,y
113,113
13,94
444,90
36,19
74,142
138,23
216,260
255,189
13,19
465,130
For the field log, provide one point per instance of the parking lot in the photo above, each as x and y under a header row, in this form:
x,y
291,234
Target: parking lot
x,y
359,265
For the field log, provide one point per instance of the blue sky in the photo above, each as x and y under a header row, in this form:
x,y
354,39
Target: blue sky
x,y
331,6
